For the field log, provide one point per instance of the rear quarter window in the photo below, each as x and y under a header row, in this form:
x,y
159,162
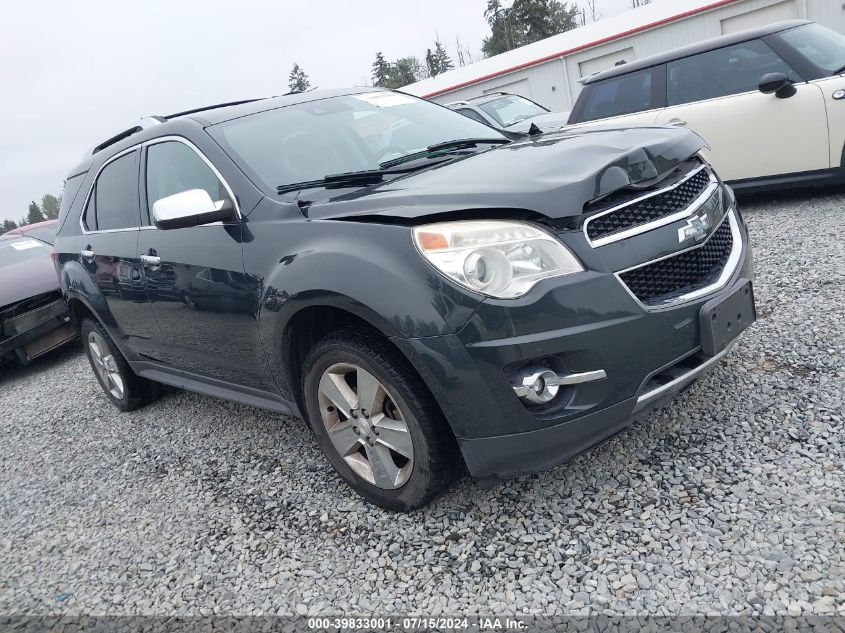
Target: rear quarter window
x,y
69,194
626,94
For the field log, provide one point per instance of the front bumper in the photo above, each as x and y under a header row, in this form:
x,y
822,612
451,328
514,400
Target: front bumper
x,y
584,323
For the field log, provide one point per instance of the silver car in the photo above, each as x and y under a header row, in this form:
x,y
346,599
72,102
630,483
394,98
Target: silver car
x,y
510,112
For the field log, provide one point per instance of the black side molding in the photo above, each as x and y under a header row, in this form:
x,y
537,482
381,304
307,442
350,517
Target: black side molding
x,y
213,387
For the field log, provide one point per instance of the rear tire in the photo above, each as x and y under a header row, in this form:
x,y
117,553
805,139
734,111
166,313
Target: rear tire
x,y
123,387
376,421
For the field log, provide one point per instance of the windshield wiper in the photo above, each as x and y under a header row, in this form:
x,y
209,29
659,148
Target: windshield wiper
x,y
375,176
838,71
438,149
337,181
346,179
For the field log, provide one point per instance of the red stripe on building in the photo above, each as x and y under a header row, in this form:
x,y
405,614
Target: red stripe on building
x,y
578,49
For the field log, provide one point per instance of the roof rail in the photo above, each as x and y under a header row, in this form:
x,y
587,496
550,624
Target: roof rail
x,y
488,94
144,124
210,107
150,121
581,80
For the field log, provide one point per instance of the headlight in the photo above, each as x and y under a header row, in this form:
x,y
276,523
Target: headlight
x,y
499,259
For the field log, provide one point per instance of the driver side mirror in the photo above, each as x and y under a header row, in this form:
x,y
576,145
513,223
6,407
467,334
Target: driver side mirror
x,y
191,208
777,84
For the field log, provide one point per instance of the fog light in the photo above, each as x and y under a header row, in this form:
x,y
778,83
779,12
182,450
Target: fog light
x,y
537,385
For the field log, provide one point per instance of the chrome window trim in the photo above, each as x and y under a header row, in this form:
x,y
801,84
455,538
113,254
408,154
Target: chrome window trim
x,y
644,228
82,228
138,146
198,152
724,277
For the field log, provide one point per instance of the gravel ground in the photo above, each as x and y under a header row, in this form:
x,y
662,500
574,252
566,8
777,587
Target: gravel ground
x,y
731,501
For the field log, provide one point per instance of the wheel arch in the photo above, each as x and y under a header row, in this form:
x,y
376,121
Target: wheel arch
x,y
309,323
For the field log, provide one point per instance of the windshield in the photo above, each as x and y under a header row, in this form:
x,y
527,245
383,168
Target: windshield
x,y
308,141
17,249
823,47
511,109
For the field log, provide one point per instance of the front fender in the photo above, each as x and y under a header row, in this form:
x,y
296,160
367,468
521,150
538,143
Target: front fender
x,y
370,270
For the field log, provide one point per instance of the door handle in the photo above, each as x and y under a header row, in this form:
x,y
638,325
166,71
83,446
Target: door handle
x,y
677,122
153,262
87,254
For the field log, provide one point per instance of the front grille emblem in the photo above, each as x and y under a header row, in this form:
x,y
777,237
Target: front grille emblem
x,y
696,228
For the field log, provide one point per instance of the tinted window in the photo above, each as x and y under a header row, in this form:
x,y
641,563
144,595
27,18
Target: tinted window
x,y
620,95
726,71
472,114
89,216
823,47
173,167
116,204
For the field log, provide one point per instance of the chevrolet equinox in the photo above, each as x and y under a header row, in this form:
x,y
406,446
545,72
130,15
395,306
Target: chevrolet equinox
x,y
428,294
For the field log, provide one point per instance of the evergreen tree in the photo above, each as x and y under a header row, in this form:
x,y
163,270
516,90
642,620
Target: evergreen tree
x,y
298,80
441,57
34,214
431,63
404,71
8,225
50,206
525,22
381,71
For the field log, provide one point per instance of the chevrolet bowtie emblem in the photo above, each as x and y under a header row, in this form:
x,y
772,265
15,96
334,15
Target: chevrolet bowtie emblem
x,y
696,229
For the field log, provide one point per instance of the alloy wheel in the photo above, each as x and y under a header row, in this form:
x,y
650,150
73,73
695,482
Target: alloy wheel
x,y
105,365
365,426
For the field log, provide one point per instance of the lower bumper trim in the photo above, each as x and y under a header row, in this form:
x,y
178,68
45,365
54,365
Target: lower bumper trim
x,y
680,382
495,458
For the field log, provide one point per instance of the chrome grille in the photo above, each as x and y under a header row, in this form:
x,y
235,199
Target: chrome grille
x,y
650,209
680,274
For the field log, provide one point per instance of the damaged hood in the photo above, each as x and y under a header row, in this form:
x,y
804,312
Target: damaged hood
x,y
554,175
26,270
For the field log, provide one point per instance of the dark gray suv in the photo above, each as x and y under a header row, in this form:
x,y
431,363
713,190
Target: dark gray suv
x,y
427,294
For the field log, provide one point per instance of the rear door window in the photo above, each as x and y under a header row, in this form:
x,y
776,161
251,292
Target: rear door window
x,y
114,203
626,94
723,72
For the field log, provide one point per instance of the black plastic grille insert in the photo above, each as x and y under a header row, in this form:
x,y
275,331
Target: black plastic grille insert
x,y
680,274
650,209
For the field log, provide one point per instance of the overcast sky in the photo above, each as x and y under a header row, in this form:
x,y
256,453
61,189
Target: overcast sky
x,y
74,73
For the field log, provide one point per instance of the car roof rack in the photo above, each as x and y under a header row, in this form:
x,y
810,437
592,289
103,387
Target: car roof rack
x,y
488,94
581,80
150,121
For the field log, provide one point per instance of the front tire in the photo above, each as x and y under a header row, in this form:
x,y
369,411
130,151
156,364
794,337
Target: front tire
x,y
123,387
376,422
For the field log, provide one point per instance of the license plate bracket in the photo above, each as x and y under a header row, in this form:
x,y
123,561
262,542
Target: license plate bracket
x,y
724,318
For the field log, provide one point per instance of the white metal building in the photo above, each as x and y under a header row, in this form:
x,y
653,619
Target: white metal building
x,y
548,71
